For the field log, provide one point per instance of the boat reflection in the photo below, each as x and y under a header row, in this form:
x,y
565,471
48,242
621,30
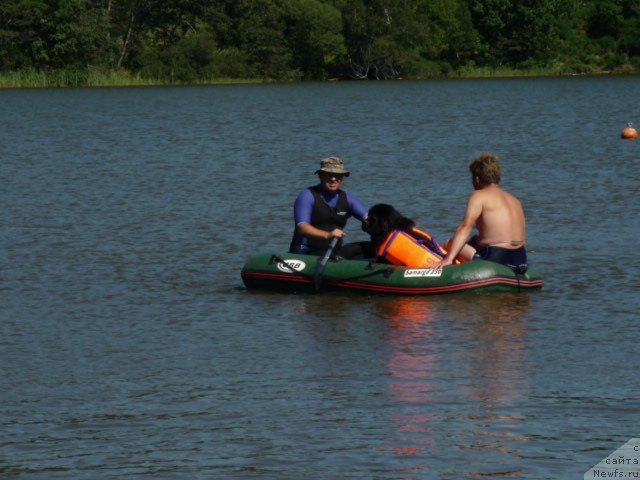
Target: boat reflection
x,y
457,373
412,363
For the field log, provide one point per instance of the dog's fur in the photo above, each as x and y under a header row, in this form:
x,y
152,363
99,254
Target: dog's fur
x,y
383,219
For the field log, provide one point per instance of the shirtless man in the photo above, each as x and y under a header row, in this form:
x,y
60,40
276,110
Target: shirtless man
x,y
496,214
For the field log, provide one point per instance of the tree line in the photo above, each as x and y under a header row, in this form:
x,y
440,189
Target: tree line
x,y
195,40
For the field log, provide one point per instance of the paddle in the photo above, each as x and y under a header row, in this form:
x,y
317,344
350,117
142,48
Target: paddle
x,y
323,262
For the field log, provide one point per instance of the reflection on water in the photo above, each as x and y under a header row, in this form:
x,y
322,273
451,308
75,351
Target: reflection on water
x,y
500,340
411,361
412,364
485,375
497,366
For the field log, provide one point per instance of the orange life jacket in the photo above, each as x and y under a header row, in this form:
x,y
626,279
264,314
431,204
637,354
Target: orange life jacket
x,y
403,248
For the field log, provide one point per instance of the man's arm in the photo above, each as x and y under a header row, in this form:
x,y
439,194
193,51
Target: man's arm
x,y
356,207
463,231
308,230
303,210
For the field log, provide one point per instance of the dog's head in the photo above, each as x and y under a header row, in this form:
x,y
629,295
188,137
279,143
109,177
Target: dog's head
x,y
383,219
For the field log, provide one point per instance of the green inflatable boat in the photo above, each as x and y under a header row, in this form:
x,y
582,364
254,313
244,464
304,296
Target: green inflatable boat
x,y
304,273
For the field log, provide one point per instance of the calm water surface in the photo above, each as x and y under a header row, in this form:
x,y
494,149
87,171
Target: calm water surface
x,y
130,349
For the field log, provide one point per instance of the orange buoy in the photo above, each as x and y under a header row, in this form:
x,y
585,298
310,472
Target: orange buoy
x,y
629,133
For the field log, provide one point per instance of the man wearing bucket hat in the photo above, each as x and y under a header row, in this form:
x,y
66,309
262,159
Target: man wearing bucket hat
x,y
321,213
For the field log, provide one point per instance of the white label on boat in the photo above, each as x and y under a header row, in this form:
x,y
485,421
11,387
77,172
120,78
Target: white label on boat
x,y
291,265
423,272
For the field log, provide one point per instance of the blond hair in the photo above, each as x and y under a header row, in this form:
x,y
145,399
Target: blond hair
x,y
486,166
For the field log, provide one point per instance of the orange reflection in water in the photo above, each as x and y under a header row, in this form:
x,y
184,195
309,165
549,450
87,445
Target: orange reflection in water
x,y
477,360
412,358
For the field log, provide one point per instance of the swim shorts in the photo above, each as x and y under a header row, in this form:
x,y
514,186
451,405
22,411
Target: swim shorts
x,y
515,259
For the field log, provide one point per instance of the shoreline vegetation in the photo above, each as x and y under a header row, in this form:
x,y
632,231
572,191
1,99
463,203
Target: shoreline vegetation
x,y
83,43
123,79
64,79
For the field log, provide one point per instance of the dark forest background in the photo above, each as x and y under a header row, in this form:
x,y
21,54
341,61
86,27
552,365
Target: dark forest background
x,y
192,40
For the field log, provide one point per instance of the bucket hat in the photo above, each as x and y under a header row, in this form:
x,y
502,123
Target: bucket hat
x,y
333,165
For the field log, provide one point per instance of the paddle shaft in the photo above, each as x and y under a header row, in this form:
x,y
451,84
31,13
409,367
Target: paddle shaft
x,y
323,262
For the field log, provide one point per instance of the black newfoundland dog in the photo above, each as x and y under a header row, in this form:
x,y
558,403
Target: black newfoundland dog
x,y
383,219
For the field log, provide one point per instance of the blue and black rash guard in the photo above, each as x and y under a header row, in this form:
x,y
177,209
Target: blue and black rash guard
x,y
324,211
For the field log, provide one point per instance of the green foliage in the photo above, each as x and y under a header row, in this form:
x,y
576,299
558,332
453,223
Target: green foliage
x,y
313,34
383,39
187,59
75,35
65,42
605,19
520,32
450,35
231,63
21,42
262,37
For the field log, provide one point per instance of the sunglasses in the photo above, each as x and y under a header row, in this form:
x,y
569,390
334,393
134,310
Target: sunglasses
x,y
330,176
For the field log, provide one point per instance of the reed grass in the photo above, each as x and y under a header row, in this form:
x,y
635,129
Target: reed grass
x,y
123,78
505,72
556,70
95,78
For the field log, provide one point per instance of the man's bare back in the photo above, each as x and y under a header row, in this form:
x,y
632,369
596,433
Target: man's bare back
x,y
501,222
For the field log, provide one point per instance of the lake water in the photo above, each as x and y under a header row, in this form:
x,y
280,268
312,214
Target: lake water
x,y
130,349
